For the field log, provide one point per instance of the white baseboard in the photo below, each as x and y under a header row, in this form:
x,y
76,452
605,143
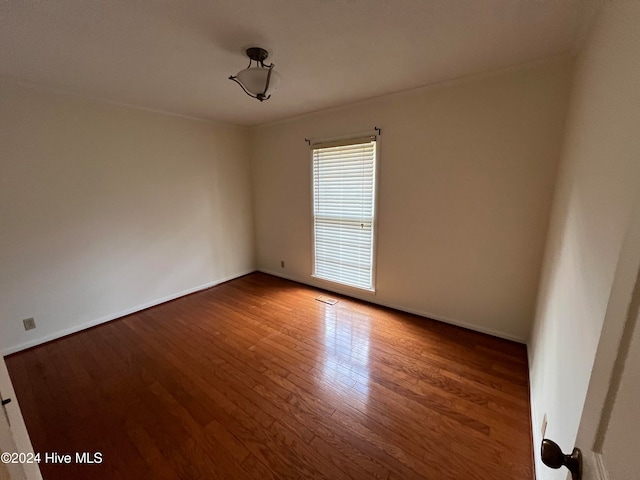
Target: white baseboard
x,y
373,299
310,281
123,313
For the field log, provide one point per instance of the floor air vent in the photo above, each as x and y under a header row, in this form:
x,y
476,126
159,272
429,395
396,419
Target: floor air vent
x,y
329,300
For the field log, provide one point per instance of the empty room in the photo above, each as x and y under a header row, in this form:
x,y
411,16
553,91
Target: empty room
x,y
332,239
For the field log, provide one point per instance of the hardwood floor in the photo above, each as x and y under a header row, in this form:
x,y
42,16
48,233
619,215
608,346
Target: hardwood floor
x,y
255,379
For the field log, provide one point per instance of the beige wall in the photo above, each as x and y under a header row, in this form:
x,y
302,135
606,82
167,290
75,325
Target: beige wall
x,y
106,209
466,177
597,183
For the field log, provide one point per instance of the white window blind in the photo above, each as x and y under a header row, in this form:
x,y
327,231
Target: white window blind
x,y
343,211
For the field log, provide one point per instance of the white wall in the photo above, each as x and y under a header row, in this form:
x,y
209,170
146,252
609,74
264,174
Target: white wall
x,y
106,209
466,178
597,182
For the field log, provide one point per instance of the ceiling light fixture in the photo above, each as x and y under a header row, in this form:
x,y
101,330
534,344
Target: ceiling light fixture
x,y
258,81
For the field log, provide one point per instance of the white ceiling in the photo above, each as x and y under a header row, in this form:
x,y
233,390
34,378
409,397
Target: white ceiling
x,y
176,55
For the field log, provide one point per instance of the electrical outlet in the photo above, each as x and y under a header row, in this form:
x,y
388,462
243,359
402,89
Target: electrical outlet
x,y
544,425
281,263
29,323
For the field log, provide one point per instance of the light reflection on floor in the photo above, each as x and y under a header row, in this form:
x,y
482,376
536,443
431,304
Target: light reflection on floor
x,y
346,344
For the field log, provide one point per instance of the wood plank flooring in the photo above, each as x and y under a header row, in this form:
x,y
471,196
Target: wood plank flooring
x,y
255,379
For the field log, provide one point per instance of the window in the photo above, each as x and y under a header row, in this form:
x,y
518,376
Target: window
x,y
344,211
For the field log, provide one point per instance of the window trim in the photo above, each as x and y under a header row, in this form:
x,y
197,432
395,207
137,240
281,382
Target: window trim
x,y
346,139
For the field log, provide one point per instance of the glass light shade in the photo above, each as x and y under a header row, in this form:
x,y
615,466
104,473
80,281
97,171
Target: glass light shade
x,y
254,80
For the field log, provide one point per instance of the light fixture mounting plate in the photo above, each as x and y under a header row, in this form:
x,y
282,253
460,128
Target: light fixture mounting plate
x,y
257,54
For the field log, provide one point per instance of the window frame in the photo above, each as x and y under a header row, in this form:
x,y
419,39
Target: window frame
x,y
318,143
